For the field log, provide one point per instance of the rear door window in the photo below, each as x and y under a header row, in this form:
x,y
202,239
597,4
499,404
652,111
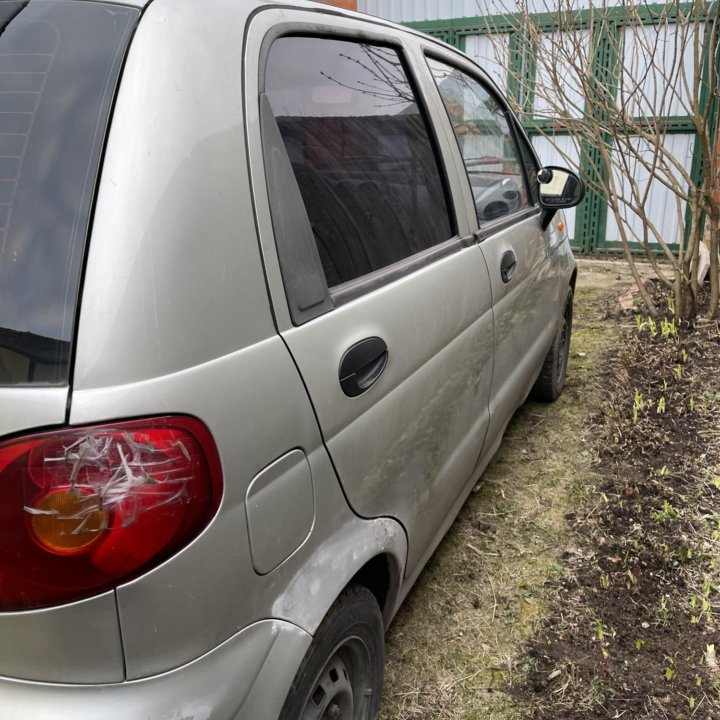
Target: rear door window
x,y
59,64
360,151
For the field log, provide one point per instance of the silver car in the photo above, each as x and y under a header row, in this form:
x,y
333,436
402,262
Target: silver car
x,y
273,279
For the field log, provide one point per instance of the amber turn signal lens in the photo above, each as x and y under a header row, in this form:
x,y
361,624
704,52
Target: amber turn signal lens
x,y
560,226
68,522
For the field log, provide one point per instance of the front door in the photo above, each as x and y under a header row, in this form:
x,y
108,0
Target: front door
x,y
525,286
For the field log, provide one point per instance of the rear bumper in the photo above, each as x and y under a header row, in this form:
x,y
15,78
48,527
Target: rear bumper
x,y
245,678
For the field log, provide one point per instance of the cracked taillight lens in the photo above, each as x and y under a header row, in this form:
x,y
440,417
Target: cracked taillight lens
x,y
85,509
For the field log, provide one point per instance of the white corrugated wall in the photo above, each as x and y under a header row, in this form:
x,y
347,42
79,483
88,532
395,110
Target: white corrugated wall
x,y
492,54
410,10
649,51
554,72
661,206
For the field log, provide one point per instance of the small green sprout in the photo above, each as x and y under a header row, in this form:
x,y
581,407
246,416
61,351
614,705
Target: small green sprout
x,y
667,512
668,329
662,612
670,669
638,404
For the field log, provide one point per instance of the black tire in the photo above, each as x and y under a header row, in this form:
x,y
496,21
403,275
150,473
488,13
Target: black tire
x,y
551,381
341,675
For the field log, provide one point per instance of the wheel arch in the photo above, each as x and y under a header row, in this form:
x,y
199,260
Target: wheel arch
x,y
367,552
381,575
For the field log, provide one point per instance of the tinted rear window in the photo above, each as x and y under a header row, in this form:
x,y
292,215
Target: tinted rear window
x,y
360,150
59,63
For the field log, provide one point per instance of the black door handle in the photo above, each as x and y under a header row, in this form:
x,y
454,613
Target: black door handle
x,y
508,265
362,365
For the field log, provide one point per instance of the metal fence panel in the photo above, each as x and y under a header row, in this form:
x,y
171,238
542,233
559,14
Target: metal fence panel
x,y
492,54
556,73
410,10
661,206
413,10
667,72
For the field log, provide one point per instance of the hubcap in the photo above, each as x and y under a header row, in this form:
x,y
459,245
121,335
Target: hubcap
x,y
343,688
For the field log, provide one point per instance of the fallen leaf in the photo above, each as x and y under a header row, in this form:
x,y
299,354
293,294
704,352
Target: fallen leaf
x,y
711,659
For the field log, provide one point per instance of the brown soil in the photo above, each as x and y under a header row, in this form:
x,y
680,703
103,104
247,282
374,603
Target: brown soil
x,y
632,629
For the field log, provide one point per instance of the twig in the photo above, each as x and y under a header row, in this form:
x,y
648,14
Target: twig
x,y
481,553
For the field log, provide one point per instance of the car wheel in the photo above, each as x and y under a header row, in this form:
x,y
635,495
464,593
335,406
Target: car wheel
x,y
341,675
551,381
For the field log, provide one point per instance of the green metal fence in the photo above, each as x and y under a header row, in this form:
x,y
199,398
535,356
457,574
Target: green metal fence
x,y
607,25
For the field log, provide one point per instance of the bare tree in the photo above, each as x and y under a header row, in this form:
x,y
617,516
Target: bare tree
x,y
665,65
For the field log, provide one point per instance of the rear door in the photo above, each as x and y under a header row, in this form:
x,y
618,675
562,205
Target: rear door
x,y
384,307
508,228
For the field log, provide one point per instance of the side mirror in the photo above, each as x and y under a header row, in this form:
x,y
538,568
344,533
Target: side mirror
x,y
560,188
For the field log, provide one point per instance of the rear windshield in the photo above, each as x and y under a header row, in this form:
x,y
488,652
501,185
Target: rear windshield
x,y
59,64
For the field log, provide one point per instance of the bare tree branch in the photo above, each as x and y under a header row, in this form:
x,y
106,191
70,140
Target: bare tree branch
x,y
619,117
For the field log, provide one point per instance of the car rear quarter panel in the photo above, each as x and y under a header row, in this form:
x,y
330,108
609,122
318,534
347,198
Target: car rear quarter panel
x,y
31,407
175,318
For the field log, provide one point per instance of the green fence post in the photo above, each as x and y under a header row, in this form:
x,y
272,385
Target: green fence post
x,y
709,109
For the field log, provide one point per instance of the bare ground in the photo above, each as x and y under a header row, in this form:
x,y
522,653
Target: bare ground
x,y
535,605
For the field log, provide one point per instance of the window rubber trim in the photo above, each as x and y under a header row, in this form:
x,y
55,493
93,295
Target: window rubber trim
x,y
342,294
494,228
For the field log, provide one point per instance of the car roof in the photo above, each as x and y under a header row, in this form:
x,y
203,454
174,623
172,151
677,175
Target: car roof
x,y
130,3
247,6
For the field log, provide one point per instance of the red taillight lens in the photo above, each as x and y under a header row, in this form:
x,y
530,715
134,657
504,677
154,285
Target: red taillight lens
x,y
84,509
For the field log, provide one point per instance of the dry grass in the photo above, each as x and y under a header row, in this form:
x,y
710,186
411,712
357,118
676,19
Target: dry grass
x,y
456,643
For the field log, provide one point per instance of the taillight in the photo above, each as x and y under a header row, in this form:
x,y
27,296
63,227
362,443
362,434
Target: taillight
x,y
84,509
